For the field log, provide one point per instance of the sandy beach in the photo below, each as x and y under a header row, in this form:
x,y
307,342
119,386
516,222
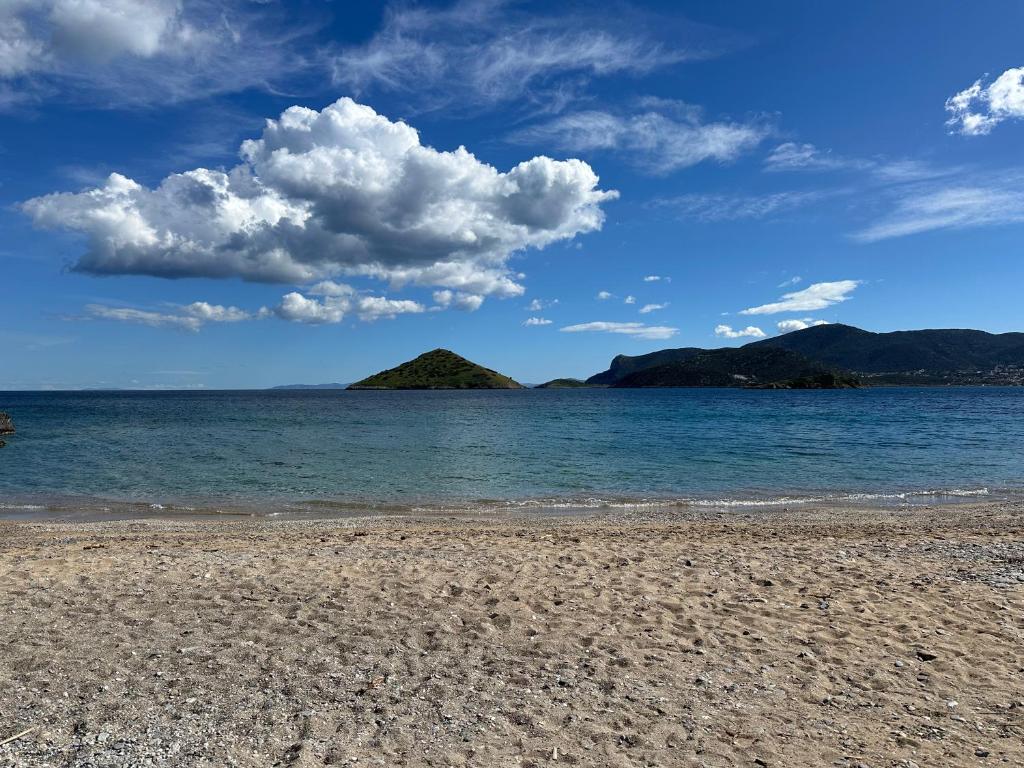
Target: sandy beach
x,y
815,637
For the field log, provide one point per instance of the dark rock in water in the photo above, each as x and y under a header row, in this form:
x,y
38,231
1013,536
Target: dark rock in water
x,y
6,425
2,443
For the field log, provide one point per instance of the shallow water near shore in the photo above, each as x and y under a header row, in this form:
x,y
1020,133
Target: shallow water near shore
x,y
334,453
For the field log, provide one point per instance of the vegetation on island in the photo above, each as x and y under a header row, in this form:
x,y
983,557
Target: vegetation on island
x,y
743,367
563,384
439,369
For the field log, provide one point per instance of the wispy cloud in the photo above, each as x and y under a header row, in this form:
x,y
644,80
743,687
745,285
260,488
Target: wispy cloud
x,y
654,141
811,298
792,156
791,281
922,209
604,295
727,332
723,207
488,52
636,330
976,110
533,321
116,53
656,278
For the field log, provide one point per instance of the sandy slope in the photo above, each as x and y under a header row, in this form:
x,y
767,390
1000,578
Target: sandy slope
x,y
782,640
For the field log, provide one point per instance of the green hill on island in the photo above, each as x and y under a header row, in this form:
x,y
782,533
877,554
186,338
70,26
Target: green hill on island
x,y
744,367
439,369
563,384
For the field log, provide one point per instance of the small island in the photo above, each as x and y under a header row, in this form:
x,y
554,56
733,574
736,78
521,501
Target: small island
x,y
439,369
563,384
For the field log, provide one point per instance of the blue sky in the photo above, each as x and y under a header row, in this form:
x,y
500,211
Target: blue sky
x,y
773,164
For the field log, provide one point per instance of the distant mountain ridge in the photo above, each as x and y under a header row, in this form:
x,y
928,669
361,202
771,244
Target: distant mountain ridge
x,y
931,350
438,369
743,367
934,356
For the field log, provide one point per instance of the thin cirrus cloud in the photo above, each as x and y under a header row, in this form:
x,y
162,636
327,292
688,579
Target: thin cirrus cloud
x,y
476,53
636,330
811,298
796,158
919,197
976,110
987,202
656,142
793,156
728,332
142,52
534,321
324,193
707,208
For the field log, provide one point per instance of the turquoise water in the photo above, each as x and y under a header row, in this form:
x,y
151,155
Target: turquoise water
x,y
341,450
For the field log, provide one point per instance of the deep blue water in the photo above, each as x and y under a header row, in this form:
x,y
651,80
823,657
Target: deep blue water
x,y
455,448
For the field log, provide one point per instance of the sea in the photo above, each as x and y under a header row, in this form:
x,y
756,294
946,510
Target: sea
x,y
333,452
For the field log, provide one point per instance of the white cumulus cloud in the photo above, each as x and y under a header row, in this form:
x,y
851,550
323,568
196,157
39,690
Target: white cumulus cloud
x,y
727,332
531,321
636,330
656,278
811,298
467,302
629,300
339,191
190,317
334,307
976,110
603,295
538,305
786,326
648,308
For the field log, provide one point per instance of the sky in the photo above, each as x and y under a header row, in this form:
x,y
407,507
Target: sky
x,y
246,193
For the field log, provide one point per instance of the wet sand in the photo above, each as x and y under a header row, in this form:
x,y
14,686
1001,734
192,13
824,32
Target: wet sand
x,y
817,637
